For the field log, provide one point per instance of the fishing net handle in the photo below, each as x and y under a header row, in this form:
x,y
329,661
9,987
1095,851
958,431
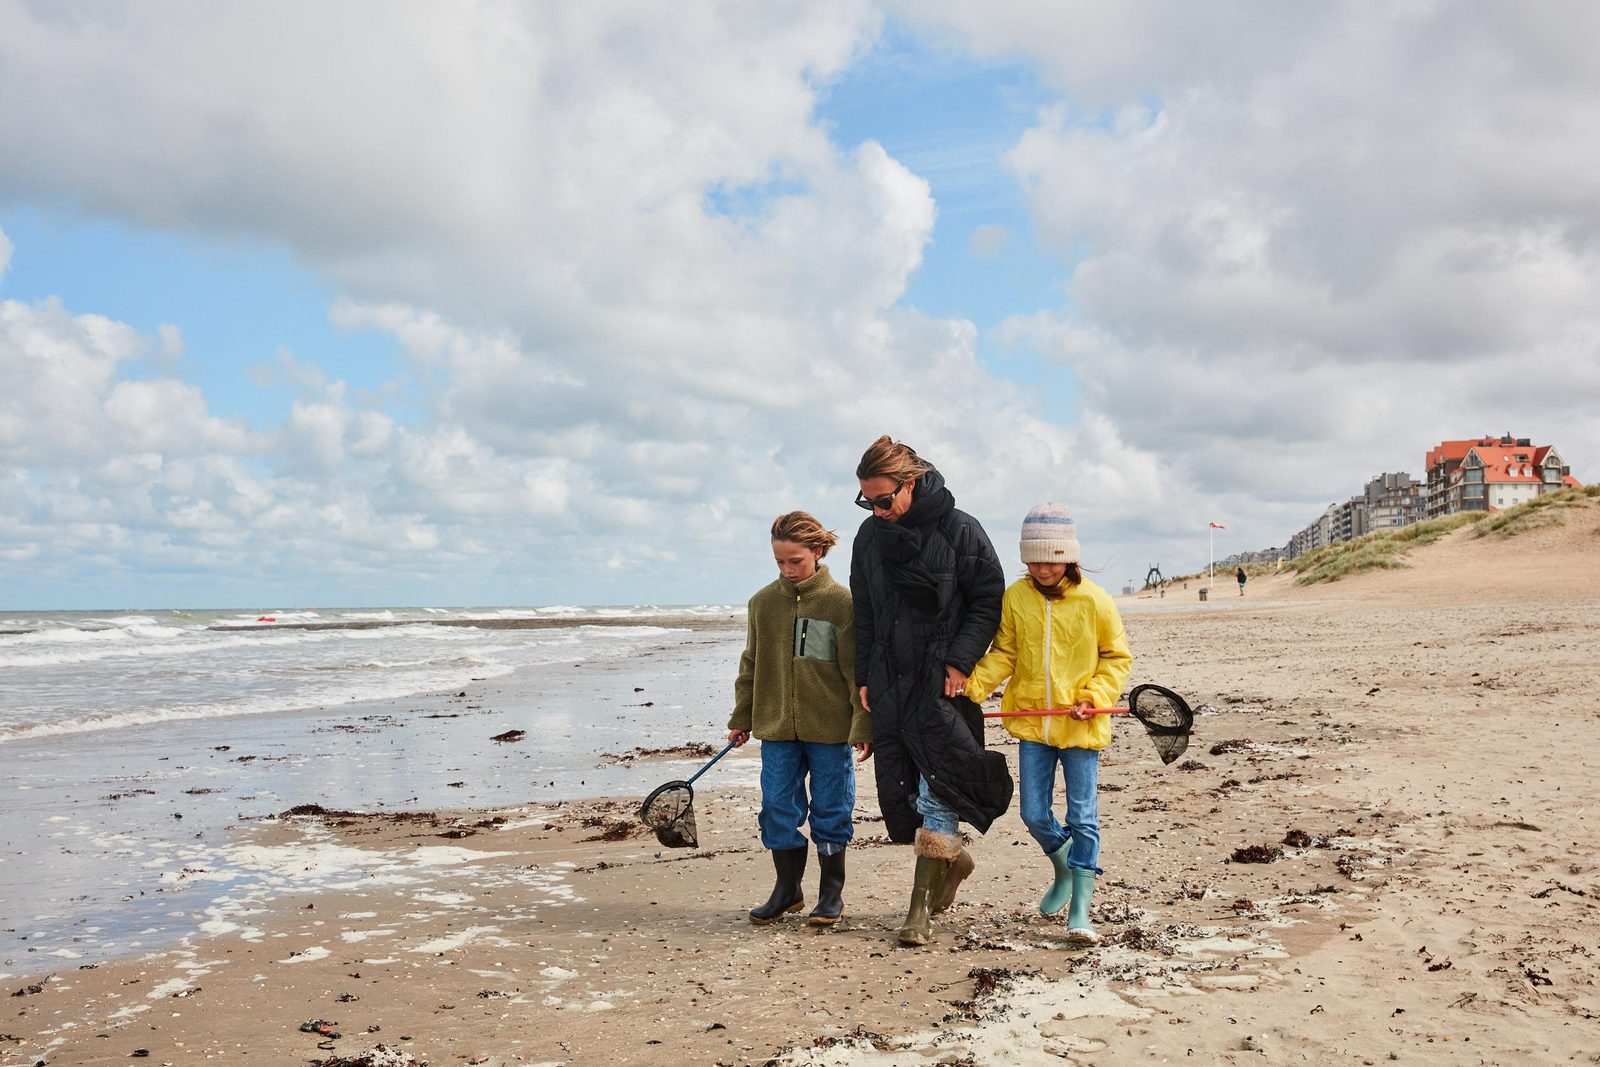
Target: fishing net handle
x,y
729,747
1159,691
684,787
1053,711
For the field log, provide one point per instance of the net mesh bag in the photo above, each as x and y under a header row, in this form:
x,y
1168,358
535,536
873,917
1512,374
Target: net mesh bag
x,y
669,811
1166,718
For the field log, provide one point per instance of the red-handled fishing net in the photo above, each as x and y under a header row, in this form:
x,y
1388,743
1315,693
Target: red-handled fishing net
x,y
1165,716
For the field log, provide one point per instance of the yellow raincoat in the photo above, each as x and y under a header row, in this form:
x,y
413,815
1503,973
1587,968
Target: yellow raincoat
x,y
1057,653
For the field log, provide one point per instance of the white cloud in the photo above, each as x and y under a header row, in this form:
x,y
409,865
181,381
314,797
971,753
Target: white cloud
x,y
646,303
1311,243
987,241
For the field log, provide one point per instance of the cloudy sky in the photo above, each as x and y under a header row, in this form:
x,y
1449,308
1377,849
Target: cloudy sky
x,y
501,303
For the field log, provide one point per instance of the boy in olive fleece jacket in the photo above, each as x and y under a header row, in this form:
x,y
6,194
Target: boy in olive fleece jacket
x,y
796,693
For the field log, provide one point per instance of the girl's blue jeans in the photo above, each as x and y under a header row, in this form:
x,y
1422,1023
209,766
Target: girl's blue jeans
x,y
785,805
1036,774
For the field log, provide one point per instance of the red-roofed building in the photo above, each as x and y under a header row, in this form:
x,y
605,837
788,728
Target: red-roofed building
x,y
1490,473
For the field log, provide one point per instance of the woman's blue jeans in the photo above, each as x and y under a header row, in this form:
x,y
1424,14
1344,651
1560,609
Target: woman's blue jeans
x,y
785,805
1036,774
937,816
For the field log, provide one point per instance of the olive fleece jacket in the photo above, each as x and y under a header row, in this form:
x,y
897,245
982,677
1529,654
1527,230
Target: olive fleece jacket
x,y
797,675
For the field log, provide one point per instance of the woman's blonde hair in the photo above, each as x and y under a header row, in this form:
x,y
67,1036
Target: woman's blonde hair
x,y
888,458
805,531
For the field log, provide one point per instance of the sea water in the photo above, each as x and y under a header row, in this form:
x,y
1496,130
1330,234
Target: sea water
x,y
77,672
132,744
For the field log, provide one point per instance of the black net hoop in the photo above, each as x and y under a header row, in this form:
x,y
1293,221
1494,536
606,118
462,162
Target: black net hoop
x,y
669,811
1166,718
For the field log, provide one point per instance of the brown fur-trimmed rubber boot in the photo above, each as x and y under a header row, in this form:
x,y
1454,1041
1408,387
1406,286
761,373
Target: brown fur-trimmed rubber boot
x,y
787,893
956,864
917,929
955,872
935,853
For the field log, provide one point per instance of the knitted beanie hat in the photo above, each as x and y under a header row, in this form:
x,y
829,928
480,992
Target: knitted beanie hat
x,y
1050,536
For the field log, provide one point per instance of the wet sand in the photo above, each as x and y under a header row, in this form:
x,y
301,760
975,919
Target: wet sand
x,y
1412,754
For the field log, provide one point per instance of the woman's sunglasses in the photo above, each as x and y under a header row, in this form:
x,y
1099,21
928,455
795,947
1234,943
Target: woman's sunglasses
x,y
881,503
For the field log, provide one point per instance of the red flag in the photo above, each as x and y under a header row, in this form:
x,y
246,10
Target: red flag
x,y
1218,526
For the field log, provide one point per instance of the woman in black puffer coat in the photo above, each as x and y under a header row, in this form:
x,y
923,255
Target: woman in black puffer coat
x,y
927,586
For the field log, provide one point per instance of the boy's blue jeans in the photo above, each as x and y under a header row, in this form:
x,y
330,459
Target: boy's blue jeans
x,y
1036,774
785,805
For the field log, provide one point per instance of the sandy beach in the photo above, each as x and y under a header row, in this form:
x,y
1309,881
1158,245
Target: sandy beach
x,y
1379,847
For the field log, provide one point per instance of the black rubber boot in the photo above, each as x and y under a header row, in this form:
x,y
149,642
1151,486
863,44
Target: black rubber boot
x,y
830,891
787,892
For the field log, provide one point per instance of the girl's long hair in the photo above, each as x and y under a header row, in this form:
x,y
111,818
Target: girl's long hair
x,y
1072,577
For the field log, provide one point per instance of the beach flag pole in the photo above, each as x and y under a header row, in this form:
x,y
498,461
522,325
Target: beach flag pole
x,y
1212,553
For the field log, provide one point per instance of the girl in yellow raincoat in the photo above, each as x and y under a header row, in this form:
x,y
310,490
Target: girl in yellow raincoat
x,y
1062,645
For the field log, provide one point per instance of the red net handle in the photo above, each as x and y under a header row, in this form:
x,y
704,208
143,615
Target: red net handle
x,y
1051,711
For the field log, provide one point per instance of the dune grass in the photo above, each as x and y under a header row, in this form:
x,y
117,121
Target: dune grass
x,y
1385,549
1540,511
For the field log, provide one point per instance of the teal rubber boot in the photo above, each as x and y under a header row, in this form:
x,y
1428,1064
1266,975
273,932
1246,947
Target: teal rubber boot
x,y
1060,891
1078,928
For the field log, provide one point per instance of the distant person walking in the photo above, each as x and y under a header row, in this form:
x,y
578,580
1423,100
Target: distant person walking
x,y
796,692
1062,645
1239,574
927,587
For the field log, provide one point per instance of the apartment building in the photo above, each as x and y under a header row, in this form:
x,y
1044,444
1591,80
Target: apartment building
x,y
1324,531
1490,473
1347,519
1388,500
1394,500
1479,474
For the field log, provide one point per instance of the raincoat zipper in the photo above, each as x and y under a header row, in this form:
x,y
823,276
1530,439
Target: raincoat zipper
x,y
1049,695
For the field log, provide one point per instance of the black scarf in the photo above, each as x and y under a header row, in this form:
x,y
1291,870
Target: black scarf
x,y
902,543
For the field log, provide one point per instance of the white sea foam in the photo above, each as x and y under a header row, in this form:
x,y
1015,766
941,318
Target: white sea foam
x,y
454,941
167,988
389,687
115,646
69,679
315,952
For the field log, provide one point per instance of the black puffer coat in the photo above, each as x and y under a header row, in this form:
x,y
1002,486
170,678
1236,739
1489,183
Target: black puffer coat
x,y
904,639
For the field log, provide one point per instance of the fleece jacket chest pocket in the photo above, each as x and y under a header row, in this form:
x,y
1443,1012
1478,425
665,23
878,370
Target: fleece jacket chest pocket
x,y
816,639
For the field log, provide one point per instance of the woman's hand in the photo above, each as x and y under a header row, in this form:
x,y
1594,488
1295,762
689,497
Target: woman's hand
x,y
863,751
738,737
1081,711
955,683
866,707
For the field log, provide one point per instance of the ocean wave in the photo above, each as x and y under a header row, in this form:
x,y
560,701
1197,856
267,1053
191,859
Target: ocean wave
x,y
381,665
70,635
399,686
118,645
257,618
